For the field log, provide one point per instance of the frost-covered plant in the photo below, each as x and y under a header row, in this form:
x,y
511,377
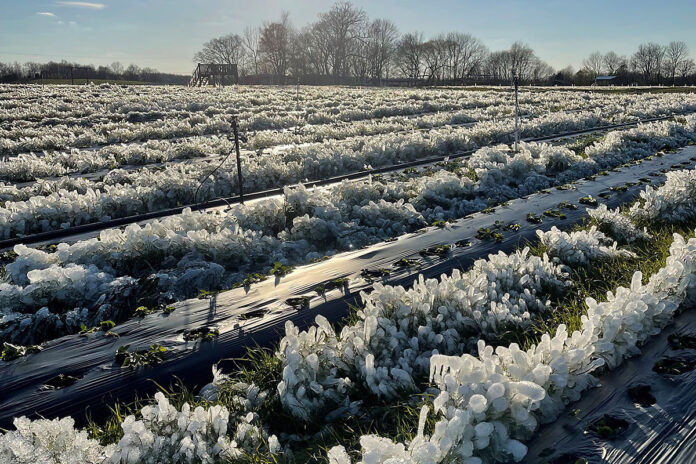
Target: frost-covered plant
x,y
487,403
616,224
45,441
672,202
398,330
642,141
123,193
311,369
186,436
580,247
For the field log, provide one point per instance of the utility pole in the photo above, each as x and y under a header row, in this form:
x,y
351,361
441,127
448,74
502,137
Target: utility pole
x,y
72,77
235,129
516,81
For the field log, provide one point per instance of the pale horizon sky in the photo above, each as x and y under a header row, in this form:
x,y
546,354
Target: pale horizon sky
x,y
165,34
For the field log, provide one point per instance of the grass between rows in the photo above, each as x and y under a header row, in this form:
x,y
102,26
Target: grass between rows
x,y
399,419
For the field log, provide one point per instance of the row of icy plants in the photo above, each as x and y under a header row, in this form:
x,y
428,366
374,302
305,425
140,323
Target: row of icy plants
x,y
31,166
53,205
26,104
438,346
28,137
42,136
49,293
100,129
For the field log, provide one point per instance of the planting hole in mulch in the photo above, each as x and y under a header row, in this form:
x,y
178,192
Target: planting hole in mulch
x,y
440,250
673,366
60,381
299,302
641,394
375,273
406,263
682,342
608,427
252,314
203,333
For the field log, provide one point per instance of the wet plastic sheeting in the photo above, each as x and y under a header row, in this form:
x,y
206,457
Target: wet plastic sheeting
x,y
663,433
102,381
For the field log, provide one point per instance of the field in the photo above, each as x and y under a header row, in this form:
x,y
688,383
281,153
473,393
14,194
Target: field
x,y
400,285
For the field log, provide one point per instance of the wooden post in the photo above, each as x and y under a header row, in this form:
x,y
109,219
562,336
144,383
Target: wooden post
x,y
235,129
72,78
517,112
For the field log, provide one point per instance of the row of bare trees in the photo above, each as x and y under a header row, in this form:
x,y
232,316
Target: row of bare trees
x,y
64,70
344,43
652,63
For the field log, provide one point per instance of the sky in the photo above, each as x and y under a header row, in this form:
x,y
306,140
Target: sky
x,y
165,34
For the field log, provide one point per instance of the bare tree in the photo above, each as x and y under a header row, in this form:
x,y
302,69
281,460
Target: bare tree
x,y
465,53
251,41
132,72
382,36
344,29
521,59
319,48
648,61
541,71
675,53
686,68
613,62
117,68
594,63
499,66
274,44
227,49
434,53
409,55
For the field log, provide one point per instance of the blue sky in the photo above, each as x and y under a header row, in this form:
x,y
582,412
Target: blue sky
x,y
166,33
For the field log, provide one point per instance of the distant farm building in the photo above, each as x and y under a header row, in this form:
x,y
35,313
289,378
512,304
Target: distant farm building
x,y
604,80
214,74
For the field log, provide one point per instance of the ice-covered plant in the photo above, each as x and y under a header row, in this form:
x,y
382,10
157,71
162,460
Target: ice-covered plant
x,y
616,224
674,201
49,441
580,247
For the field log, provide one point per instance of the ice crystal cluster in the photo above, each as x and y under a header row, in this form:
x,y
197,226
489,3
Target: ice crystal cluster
x,y
617,225
673,202
398,330
161,433
580,247
45,441
189,435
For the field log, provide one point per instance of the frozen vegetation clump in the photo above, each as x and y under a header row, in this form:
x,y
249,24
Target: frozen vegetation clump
x,y
398,330
616,224
673,202
160,434
580,247
189,435
45,441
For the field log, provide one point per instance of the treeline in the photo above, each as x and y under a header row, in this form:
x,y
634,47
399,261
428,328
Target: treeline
x,y
36,72
652,63
344,46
